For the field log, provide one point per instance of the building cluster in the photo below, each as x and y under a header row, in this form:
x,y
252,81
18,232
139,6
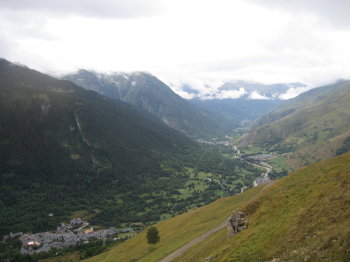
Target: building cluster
x,y
76,232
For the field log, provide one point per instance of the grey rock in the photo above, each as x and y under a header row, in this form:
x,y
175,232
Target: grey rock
x,y
236,223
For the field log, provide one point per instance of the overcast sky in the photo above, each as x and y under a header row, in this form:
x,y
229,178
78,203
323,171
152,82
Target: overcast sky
x,y
196,42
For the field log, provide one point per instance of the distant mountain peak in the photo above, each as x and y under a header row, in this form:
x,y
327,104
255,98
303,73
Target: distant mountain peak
x,y
245,90
148,93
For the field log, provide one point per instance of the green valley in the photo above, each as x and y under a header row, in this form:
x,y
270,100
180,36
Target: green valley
x,y
67,152
174,131
302,217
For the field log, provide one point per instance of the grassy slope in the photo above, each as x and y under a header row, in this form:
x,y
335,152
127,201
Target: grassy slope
x,y
177,231
312,125
302,217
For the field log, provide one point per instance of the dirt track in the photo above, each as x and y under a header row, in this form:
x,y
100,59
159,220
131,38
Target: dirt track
x,y
195,241
202,237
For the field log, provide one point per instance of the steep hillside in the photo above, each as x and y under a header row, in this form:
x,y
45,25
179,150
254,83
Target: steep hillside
x,y
150,94
302,217
312,126
65,150
59,141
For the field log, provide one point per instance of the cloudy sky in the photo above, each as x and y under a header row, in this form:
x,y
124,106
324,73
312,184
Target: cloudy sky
x,y
198,42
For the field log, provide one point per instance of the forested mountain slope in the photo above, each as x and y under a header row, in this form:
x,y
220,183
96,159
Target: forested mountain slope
x,y
64,149
59,141
150,94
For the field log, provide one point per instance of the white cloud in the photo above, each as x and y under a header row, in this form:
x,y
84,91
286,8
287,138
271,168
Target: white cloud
x,y
87,8
256,95
335,11
233,94
200,42
293,92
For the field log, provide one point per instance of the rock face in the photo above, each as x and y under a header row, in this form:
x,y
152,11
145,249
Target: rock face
x,y
236,223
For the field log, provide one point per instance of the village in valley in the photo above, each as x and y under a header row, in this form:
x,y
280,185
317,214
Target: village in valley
x,y
76,232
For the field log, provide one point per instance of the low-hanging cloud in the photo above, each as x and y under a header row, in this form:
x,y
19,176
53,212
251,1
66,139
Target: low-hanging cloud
x,y
199,42
87,8
257,96
293,92
230,94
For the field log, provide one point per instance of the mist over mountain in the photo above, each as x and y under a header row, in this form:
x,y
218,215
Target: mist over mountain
x,y
236,103
242,89
150,94
206,114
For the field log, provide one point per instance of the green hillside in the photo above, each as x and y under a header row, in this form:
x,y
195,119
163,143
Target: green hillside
x,y
150,94
302,217
313,126
68,151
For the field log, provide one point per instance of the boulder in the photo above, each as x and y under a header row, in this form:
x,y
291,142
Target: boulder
x,y
236,223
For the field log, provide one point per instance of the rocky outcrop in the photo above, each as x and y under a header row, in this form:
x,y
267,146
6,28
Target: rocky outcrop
x,y
236,223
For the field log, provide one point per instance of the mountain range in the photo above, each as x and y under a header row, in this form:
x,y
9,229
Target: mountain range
x,y
59,141
118,150
237,104
244,90
65,150
201,116
148,93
